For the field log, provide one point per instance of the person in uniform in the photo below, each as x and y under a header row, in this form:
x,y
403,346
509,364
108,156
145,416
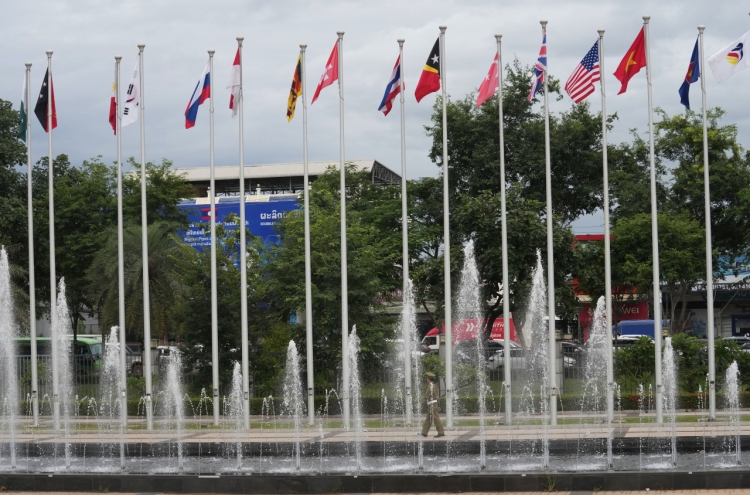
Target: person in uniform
x,y
430,399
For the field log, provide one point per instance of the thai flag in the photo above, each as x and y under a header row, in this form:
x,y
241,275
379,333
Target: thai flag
x,y
393,88
537,80
201,93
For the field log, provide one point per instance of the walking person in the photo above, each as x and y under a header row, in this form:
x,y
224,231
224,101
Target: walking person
x,y
431,396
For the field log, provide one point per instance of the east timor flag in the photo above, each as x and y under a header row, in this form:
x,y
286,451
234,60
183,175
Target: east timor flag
x,y
633,61
295,91
429,81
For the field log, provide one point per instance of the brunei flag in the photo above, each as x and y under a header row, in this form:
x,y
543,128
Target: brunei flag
x,y
296,90
429,81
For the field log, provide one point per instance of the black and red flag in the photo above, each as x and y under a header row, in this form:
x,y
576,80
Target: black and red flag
x,y
40,110
429,81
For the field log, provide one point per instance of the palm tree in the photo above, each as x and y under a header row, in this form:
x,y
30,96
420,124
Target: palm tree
x,y
163,252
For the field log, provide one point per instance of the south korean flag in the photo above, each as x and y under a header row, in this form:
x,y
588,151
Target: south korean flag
x,y
132,106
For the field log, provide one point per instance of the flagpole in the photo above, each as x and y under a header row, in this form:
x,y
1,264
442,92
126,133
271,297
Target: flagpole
x,y
32,282
446,243
52,269
120,253
504,240
404,240
552,368
710,331
214,300
308,266
344,276
243,257
654,235
144,252
607,257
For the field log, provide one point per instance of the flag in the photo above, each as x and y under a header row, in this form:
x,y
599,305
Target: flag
x,y
540,68
633,61
113,106
201,93
729,59
693,74
296,90
392,89
23,113
489,85
41,103
429,81
235,85
581,83
331,74
132,106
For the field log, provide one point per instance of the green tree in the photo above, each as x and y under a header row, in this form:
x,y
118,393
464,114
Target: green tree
x,y
373,239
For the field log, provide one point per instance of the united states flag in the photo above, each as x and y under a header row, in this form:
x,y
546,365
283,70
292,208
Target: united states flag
x,y
581,83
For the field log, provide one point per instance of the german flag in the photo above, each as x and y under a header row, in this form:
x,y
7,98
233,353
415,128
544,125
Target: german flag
x,y
295,91
429,81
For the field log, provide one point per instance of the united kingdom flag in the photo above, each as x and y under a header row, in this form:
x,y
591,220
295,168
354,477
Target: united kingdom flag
x,y
537,80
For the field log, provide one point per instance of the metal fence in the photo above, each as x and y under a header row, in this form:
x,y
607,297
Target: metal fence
x,y
85,376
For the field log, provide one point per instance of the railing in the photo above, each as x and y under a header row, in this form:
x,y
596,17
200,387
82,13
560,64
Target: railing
x,y
86,374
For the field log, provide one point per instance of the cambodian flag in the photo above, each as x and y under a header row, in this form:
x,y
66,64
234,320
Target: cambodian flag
x,y
393,89
201,93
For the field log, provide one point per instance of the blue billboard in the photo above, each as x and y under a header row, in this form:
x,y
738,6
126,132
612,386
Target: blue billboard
x,y
261,218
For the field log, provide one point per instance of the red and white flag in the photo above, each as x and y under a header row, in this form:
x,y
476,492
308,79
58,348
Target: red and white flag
x,y
331,74
489,85
113,106
235,84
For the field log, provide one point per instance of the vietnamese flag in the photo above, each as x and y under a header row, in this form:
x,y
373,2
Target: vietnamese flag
x,y
429,81
633,61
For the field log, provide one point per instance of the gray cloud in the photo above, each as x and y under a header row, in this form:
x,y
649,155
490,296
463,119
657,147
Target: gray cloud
x,y
86,35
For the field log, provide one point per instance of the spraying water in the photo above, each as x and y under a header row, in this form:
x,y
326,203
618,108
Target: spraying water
x,y
293,397
174,405
470,308
233,410
669,374
8,374
732,397
110,406
408,330
65,369
355,394
595,370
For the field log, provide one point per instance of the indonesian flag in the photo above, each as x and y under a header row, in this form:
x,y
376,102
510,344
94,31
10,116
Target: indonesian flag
x,y
113,107
331,74
235,84
489,85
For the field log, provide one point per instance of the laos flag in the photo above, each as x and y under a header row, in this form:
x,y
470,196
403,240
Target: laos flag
x,y
201,93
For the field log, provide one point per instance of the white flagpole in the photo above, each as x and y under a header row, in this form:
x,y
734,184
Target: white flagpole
x,y
344,276
120,254
446,243
551,367
607,258
710,330
243,257
404,239
214,301
654,235
503,220
308,267
52,269
144,252
32,282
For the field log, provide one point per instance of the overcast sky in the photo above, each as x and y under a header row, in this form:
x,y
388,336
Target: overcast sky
x,y
86,35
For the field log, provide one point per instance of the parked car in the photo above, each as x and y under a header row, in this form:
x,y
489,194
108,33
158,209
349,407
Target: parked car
x,y
518,356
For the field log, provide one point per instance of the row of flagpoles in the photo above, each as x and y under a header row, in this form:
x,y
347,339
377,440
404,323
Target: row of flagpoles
x,y
579,86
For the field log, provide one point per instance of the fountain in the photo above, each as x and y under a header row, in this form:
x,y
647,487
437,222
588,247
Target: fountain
x,y
593,398
293,407
233,411
8,373
732,398
65,351
356,393
110,406
470,308
172,405
669,378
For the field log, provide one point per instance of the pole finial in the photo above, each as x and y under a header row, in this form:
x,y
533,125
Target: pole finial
x,y
211,53
28,65
543,22
646,18
400,41
601,32
498,37
118,57
49,53
701,28
303,47
240,39
340,34
443,28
